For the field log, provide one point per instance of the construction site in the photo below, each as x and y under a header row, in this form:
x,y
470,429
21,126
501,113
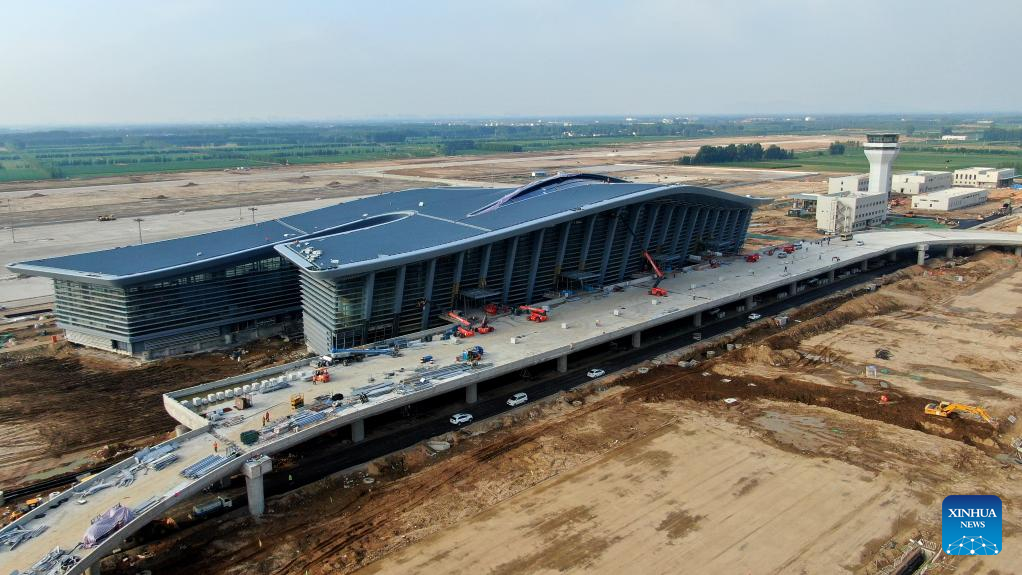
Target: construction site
x,y
793,403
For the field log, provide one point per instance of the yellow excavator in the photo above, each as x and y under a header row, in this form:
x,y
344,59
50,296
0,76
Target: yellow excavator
x,y
950,409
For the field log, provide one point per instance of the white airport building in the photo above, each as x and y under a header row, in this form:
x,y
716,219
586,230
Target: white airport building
x,y
850,211
853,183
920,182
950,199
984,177
858,202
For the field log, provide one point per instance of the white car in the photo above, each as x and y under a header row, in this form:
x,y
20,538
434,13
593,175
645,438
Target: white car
x,y
517,399
595,372
860,243
754,316
461,418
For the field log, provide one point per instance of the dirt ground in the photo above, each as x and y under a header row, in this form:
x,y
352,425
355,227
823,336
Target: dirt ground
x,y
63,408
45,202
810,471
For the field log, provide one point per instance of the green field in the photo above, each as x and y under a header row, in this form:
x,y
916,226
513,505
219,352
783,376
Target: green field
x,y
95,152
854,161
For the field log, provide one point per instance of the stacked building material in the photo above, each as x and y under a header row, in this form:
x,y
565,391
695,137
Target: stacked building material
x,y
15,536
164,461
203,466
374,390
306,417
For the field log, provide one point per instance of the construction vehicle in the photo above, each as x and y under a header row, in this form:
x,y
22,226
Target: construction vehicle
x,y
466,328
321,375
491,309
106,218
536,314
471,354
655,289
484,327
752,258
950,409
212,508
297,400
788,249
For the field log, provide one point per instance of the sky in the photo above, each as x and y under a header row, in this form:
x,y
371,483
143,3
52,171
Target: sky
x,y
195,61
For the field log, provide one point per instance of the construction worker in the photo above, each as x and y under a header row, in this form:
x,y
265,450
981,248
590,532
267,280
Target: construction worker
x,y
216,447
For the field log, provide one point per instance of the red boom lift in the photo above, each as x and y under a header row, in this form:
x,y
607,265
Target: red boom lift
x,y
466,329
656,289
536,314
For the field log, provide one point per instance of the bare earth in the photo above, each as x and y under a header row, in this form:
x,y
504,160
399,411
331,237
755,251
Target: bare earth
x,y
809,473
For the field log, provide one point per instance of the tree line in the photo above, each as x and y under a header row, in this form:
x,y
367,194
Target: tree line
x,y
736,153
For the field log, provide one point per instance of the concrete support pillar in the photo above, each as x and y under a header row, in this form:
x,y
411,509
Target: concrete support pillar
x,y
750,302
180,430
358,430
562,364
950,253
865,265
1018,251
921,254
830,275
637,340
893,256
472,393
697,319
792,288
254,471
224,483
94,569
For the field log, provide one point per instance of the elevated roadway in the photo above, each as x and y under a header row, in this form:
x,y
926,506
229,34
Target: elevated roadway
x,y
589,321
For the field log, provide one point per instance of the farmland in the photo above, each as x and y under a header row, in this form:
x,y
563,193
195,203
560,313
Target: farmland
x,y
102,152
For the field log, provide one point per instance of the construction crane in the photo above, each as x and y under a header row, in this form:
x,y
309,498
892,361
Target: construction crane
x,y
656,289
950,409
536,314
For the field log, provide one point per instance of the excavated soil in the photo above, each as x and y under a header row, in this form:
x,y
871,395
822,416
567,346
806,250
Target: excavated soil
x,y
69,408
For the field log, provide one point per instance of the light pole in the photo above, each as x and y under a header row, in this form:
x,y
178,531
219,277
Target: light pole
x,y
10,216
253,210
139,222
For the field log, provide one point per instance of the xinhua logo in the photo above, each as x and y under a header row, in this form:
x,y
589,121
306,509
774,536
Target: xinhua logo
x,y
971,525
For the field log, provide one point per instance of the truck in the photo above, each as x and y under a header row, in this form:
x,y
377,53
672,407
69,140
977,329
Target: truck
x,y
212,508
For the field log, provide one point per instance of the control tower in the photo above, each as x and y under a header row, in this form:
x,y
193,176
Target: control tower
x,y
880,149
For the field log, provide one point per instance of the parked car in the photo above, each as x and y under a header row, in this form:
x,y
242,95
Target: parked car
x,y
782,254
595,372
754,316
461,418
517,399
860,243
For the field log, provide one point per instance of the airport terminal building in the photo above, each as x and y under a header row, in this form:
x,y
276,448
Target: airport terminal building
x,y
384,266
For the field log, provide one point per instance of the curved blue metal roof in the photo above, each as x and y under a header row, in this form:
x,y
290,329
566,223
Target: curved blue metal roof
x,y
374,231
